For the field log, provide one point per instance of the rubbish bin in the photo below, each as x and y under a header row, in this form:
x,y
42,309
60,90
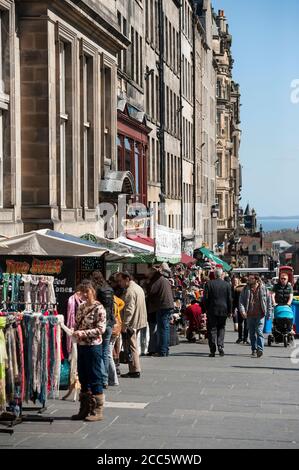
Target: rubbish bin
x,y
268,326
295,308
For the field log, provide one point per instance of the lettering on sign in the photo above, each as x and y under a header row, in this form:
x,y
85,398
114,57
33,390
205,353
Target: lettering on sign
x,y
38,267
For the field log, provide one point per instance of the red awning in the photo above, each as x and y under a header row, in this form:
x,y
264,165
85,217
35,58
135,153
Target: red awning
x,y
186,259
142,239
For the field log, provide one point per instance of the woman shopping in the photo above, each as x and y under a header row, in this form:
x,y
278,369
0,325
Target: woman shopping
x,y
89,328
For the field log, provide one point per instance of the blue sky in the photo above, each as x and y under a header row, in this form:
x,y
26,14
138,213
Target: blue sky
x,y
266,52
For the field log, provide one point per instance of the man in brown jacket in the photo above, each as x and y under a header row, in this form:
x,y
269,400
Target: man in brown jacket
x,y
134,319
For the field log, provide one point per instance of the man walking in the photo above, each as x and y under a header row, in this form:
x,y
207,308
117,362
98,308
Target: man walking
x,y
134,319
160,300
218,303
253,305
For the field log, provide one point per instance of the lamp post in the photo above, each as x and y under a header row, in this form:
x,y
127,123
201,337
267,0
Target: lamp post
x,y
214,217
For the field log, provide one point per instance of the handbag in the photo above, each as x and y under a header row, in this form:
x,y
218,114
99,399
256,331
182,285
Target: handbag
x,y
64,375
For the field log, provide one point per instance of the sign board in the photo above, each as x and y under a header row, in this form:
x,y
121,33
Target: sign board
x,y
168,246
62,268
136,225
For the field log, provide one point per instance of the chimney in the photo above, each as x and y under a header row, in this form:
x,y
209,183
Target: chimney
x,y
222,21
261,237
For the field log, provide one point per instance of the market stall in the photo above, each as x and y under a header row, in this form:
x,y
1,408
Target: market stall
x,y
38,273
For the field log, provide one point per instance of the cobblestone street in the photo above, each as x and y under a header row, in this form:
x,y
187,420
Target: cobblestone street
x,y
185,401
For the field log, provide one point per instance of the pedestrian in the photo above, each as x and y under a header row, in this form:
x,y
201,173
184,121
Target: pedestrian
x,y
151,317
134,318
118,307
254,305
105,294
283,293
89,328
218,304
193,315
234,284
116,332
161,301
242,322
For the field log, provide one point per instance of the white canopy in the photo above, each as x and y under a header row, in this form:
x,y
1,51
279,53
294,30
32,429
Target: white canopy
x,y
51,243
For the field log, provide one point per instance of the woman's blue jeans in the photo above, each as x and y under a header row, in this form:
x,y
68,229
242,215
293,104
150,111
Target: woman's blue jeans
x,y
105,354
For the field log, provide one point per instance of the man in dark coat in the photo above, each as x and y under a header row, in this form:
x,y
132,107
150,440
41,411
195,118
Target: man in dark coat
x,y
160,300
218,303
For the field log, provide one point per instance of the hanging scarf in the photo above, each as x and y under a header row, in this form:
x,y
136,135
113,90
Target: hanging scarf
x,y
44,361
36,363
6,277
29,333
20,356
73,303
26,278
57,368
15,290
10,382
3,364
52,354
51,291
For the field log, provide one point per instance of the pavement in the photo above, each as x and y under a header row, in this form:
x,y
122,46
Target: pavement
x,y
185,401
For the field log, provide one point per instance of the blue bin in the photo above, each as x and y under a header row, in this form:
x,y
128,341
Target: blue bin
x,y
295,308
268,326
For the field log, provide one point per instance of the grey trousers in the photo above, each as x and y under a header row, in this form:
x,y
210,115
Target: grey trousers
x,y
216,332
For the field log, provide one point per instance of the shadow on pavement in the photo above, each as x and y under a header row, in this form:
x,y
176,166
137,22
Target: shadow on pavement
x,y
270,368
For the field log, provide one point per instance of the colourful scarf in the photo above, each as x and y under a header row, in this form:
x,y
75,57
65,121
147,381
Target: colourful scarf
x,y
3,364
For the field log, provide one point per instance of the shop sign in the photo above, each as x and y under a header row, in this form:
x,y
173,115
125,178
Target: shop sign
x,y
168,246
63,269
135,224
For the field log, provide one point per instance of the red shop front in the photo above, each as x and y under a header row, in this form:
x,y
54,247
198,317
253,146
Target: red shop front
x,y
132,149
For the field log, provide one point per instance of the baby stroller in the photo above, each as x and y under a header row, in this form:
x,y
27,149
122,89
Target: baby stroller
x,y
282,330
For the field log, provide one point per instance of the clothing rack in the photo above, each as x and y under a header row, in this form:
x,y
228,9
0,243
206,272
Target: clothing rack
x,y
12,419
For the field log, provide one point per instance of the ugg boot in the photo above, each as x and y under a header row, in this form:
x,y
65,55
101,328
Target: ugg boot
x,y
84,399
96,408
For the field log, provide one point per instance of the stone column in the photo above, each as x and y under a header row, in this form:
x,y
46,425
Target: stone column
x,y
35,133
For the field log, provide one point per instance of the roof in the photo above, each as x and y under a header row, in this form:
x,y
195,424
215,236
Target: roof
x,y
282,243
186,259
51,243
210,255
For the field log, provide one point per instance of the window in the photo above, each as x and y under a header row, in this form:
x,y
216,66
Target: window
x,y
141,63
125,32
146,8
152,79
119,55
152,21
137,172
132,46
88,153
65,127
136,56
128,151
166,39
157,99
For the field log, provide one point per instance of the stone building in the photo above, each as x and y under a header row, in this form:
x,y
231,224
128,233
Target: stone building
x,y
59,77
132,128
228,133
205,126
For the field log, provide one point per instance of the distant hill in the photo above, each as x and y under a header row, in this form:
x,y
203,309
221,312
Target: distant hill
x,y
290,236
276,217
